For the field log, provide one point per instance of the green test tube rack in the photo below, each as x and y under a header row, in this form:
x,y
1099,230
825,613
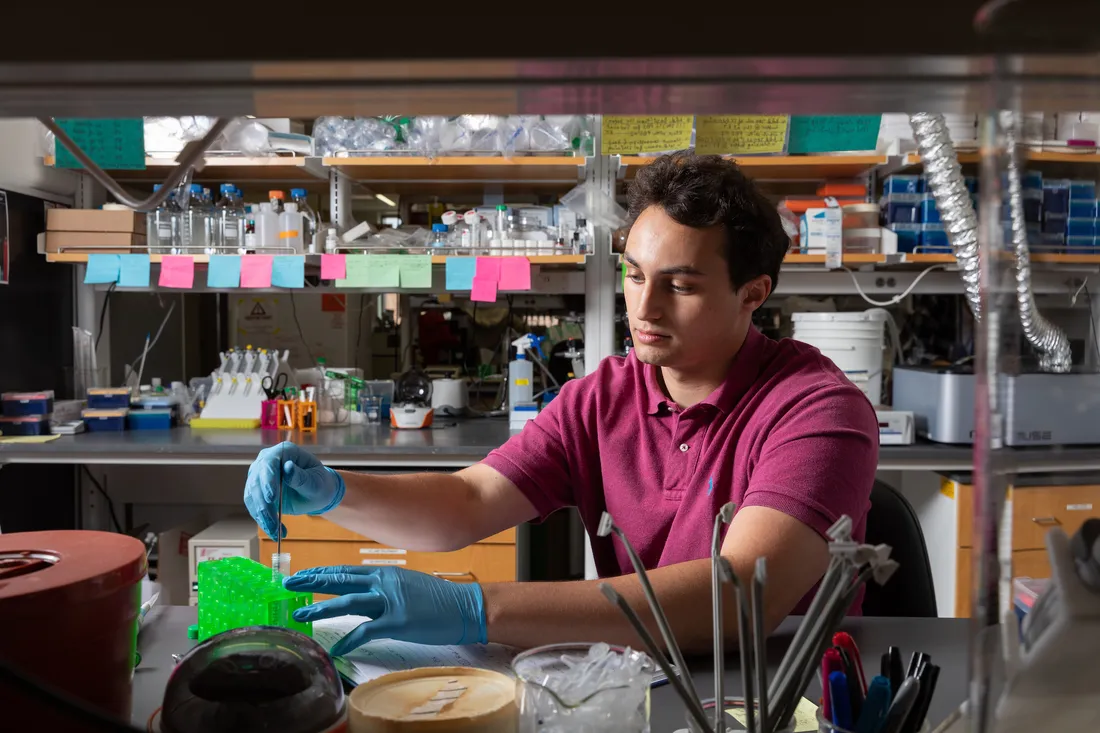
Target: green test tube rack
x,y
234,592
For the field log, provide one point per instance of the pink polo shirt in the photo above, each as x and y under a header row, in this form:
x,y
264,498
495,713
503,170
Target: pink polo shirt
x,y
785,430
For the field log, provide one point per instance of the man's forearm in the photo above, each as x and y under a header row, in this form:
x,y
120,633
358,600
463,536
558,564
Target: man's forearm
x,y
425,512
532,614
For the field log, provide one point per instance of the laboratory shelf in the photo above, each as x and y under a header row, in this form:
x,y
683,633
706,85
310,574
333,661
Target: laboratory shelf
x,y
910,258
784,167
299,171
1033,156
417,174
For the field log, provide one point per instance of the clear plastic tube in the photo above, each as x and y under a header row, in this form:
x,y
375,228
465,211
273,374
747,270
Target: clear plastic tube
x,y
280,566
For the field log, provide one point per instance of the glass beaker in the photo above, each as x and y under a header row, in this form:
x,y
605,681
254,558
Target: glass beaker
x,y
371,407
583,688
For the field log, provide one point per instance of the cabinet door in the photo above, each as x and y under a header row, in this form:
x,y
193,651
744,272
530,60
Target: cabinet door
x,y
1036,509
1030,564
963,574
305,527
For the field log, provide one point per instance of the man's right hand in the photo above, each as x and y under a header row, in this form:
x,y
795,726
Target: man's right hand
x,y
309,487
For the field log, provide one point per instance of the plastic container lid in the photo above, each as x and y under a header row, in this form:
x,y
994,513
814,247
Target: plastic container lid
x,y
471,217
298,192
449,218
227,188
439,228
276,195
860,209
501,207
196,188
451,699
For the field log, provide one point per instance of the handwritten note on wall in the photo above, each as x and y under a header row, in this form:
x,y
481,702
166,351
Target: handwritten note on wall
x,y
637,134
833,133
740,134
114,144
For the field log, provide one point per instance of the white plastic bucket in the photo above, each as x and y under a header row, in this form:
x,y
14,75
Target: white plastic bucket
x,y
853,341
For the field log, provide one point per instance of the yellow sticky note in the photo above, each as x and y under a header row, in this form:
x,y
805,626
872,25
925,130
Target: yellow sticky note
x,y
641,134
805,716
740,134
947,488
28,438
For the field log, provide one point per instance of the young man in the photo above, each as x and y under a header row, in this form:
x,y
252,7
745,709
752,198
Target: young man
x,y
706,410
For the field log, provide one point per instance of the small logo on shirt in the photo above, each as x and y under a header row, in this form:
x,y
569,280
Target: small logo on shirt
x,y
710,486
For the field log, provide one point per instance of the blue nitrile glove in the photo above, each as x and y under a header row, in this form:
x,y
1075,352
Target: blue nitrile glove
x,y
403,604
309,487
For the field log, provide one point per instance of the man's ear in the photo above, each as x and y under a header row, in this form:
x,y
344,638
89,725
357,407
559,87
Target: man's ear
x,y
756,291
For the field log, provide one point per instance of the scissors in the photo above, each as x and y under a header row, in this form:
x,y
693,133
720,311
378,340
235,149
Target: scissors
x,y
274,388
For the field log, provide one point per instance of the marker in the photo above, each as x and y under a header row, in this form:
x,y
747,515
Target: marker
x,y
875,706
845,641
902,706
830,663
838,691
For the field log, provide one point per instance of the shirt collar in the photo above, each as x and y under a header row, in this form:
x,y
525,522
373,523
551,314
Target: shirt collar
x,y
742,374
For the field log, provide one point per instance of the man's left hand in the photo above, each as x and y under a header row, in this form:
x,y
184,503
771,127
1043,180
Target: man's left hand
x,y
403,604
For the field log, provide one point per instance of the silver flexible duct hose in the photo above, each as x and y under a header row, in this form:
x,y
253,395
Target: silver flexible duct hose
x,y
945,181
1047,339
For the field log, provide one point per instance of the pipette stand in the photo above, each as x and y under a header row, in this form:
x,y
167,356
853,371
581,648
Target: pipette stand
x,y
236,395
1052,679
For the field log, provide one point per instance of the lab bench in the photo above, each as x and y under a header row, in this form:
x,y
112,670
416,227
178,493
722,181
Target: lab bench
x,y
164,633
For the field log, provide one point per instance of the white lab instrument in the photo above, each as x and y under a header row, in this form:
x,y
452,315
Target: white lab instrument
x,y
450,396
228,538
895,427
411,409
290,228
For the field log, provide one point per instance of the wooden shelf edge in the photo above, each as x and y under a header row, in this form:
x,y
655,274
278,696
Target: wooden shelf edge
x,y
81,258
444,161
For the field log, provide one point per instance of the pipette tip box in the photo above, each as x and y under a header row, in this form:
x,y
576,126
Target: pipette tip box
x,y
234,592
105,420
149,420
21,404
108,398
25,425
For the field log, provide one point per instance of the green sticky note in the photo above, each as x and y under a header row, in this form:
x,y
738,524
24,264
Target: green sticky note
x,y
416,271
384,271
356,271
114,144
833,133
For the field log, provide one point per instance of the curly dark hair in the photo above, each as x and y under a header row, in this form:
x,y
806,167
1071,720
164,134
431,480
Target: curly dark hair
x,y
702,191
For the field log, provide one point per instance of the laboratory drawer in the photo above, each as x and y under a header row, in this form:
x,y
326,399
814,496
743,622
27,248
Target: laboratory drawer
x,y
1035,510
1030,564
305,527
481,563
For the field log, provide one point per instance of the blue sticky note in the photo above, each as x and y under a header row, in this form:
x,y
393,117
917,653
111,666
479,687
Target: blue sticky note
x,y
460,273
101,269
133,271
224,271
288,272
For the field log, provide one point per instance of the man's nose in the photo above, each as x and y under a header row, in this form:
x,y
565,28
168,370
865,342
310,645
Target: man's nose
x,y
647,306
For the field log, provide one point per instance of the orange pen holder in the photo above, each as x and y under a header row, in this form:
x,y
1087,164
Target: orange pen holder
x,y
287,414
307,417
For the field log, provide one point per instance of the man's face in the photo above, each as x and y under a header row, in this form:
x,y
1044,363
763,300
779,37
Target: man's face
x,y
684,312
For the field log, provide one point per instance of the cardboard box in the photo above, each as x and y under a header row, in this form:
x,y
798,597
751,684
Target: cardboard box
x,y
94,220
95,242
821,230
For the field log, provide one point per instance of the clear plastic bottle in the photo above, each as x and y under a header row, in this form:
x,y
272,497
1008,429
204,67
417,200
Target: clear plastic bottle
x,y
229,215
311,231
250,228
162,225
470,236
267,228
290,228
193,231
211,222
439,240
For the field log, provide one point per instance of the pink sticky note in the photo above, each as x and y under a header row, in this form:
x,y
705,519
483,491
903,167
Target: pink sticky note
x,y
488,268
484,290
333,267
256,271
515,273
177,271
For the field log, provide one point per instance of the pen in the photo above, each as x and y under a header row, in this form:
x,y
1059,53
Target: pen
x,y
929,675
838,691
894,669
830,662
875,706
918,660
902,706
845,641
855,695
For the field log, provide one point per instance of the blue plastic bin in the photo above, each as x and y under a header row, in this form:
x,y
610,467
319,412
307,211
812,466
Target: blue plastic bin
x,y
908,236
1080,189
902,184
901,208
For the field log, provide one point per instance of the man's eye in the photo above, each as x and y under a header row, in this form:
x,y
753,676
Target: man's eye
x,y
681,288
635,277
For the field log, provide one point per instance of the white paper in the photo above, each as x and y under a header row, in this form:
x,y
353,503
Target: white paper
x,y
376,658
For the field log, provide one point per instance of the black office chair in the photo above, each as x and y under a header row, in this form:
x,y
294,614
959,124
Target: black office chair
x,y
910,591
